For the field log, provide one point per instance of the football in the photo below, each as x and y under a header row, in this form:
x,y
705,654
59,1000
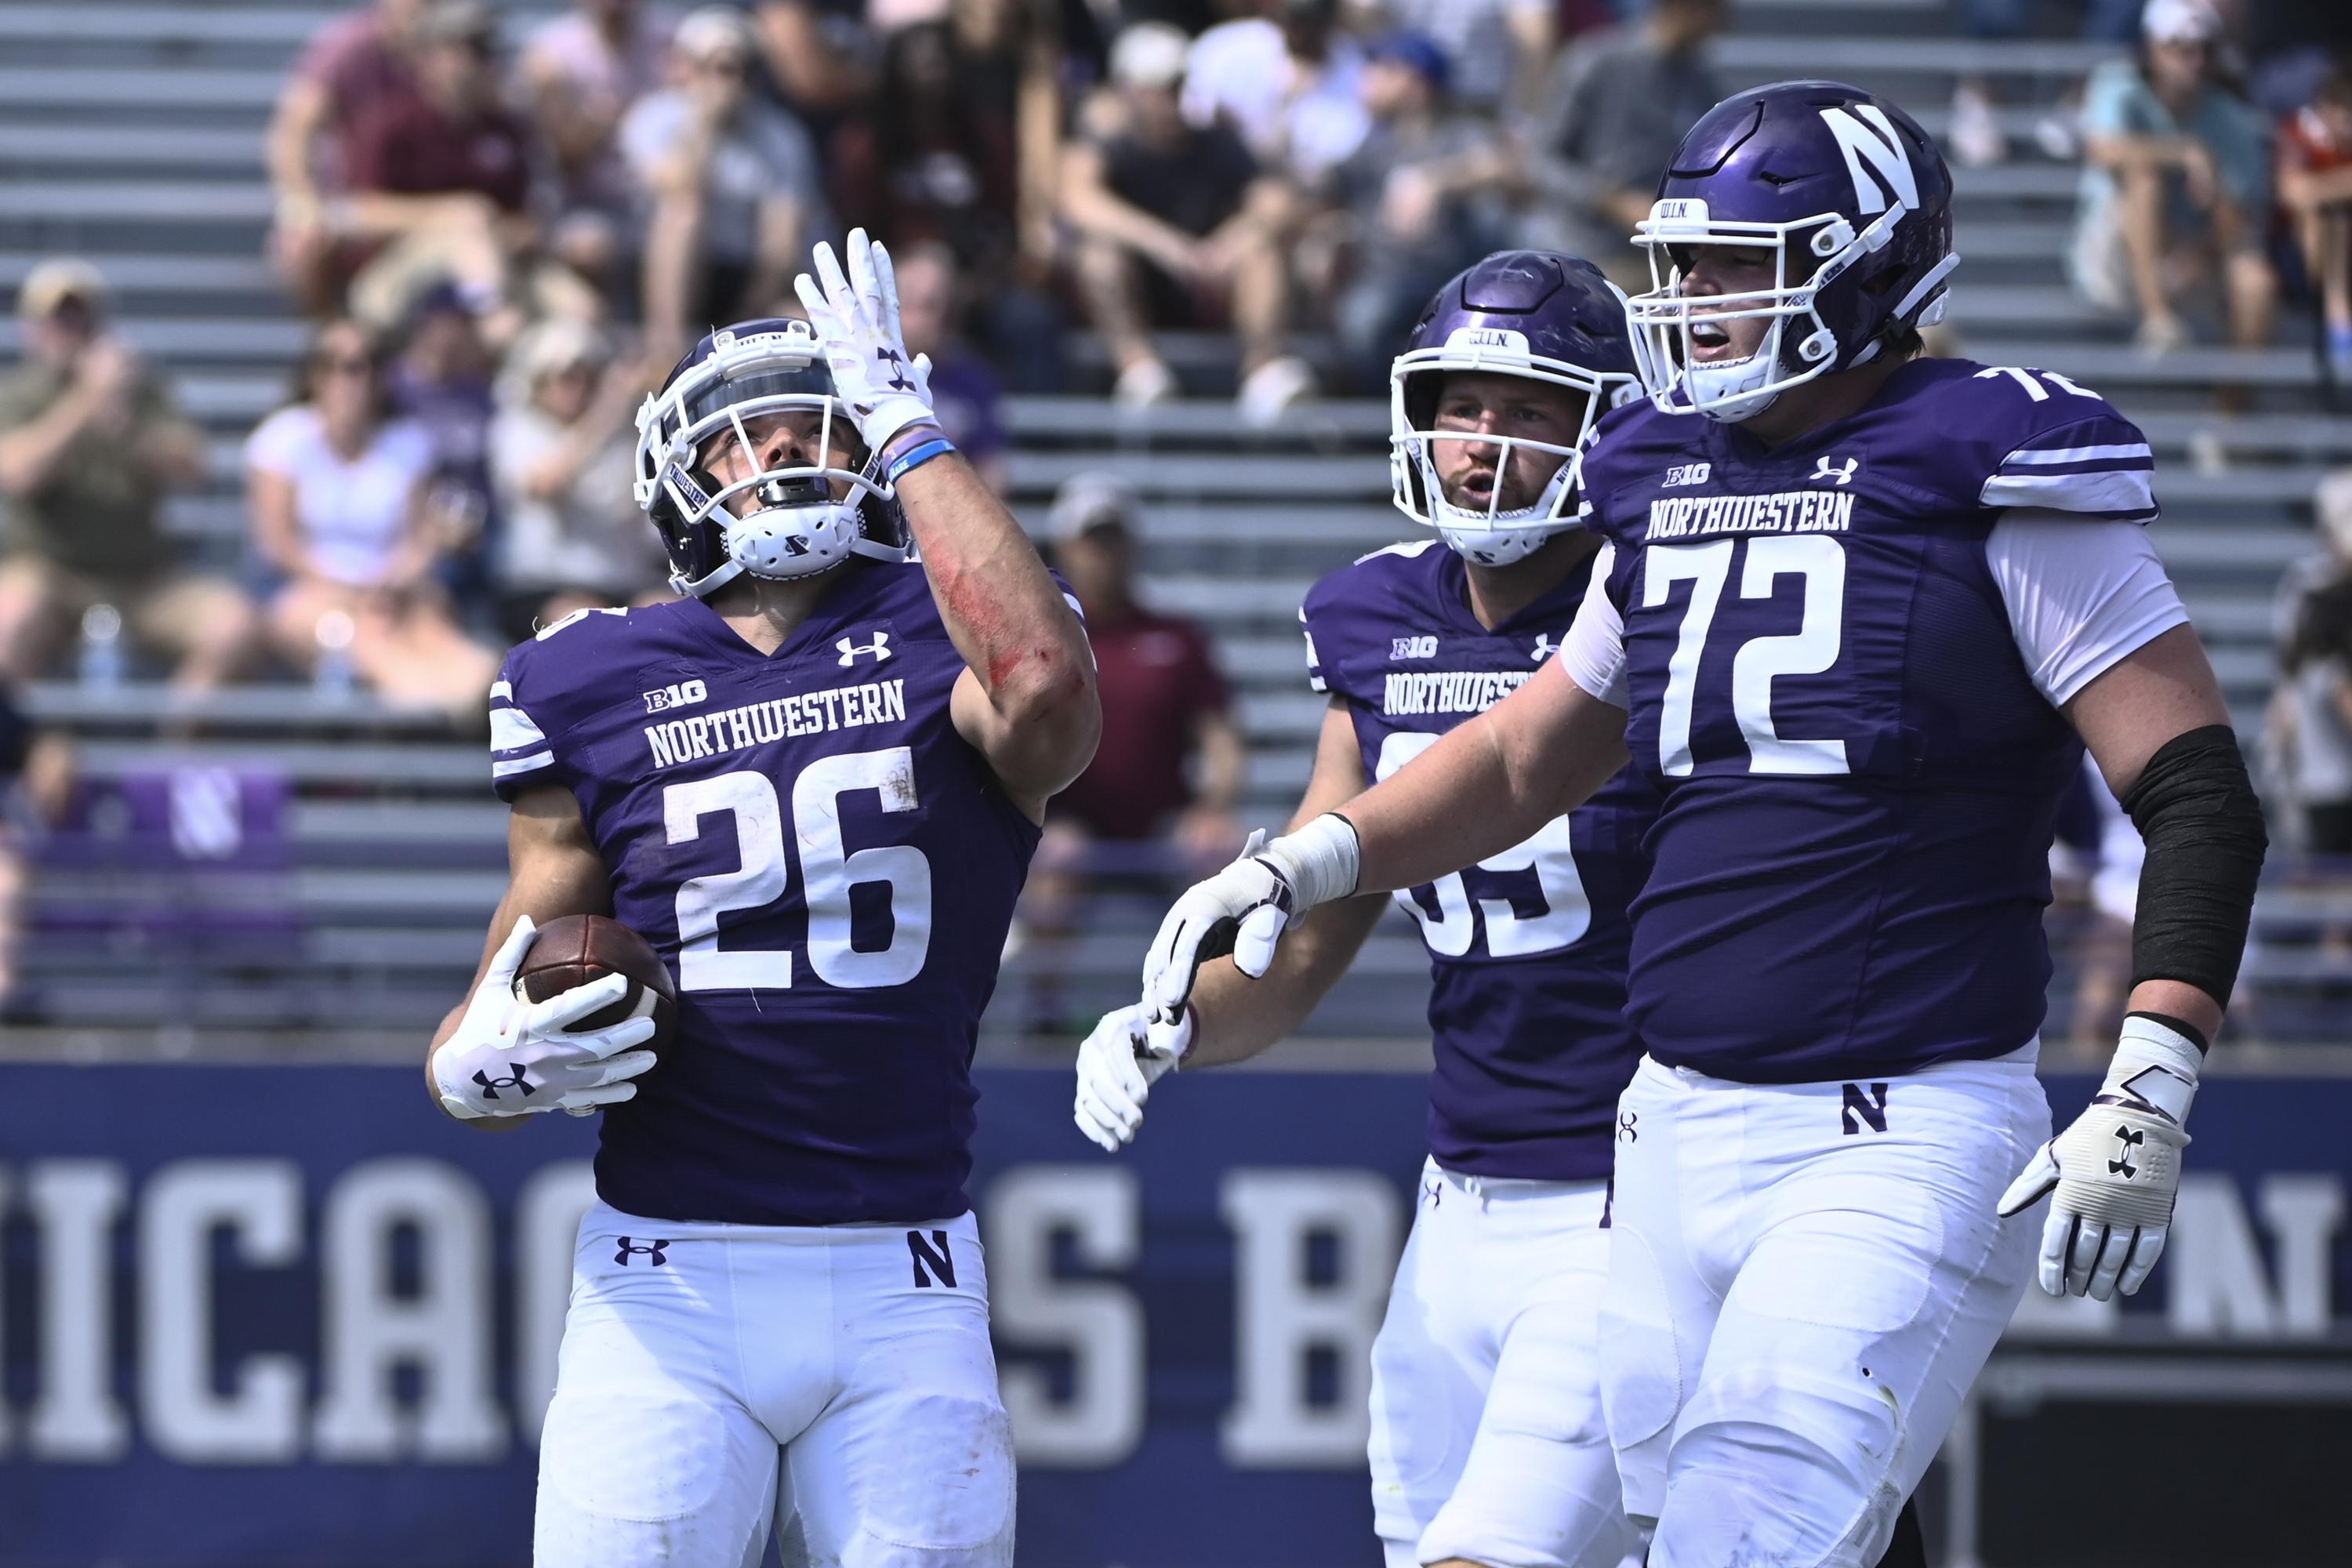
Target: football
x,y
576,949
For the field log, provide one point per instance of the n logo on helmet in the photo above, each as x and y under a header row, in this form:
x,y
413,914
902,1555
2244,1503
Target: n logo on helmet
x,y
1877,143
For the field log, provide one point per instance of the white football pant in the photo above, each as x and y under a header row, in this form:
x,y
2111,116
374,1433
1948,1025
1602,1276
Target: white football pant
x,y
1798,1300
836,1380
1487,1440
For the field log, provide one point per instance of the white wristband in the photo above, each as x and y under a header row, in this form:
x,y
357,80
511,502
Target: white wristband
x,y
2154,1064
1320,860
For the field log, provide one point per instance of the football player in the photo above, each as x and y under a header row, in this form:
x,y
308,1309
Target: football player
x,y
1488,1445
813,784
1855,612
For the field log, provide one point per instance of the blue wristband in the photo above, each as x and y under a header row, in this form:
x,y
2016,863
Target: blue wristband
x,y
939,445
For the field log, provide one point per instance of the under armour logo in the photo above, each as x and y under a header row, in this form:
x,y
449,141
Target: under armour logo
x,y
1546,646
877,650
1627,1132
2127,1140
1833,473
898,364
513,1081
657,1250
1433,1192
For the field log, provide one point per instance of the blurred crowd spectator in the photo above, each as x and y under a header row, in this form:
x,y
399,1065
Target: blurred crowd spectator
x,y
1408,200
732,184
1174,222
1155,808
516,225
2310,727
563,450
350,530
2315,186
90,440
2176,183
576,77
1172,759
1617,106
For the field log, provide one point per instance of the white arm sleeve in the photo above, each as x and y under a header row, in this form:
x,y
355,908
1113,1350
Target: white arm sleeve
x,y
2080,596
1595,653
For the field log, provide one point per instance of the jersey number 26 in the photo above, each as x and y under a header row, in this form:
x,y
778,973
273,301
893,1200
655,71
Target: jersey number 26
x,y
827,874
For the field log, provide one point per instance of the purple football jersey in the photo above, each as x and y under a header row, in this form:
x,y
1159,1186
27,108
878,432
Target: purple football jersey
x,y
1527,949
829,870
1859,776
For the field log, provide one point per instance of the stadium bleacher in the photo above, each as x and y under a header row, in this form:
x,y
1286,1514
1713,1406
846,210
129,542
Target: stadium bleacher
x,y
130,134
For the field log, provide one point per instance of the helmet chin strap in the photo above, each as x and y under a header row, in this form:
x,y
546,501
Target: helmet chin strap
x,y
1725,383
784,543
1496,547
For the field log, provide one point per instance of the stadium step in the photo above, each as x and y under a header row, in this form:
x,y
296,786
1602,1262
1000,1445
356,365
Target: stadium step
x,y
107,152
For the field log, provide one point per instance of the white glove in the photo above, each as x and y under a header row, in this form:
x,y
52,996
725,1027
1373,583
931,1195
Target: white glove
x,y
1118,1064
2116,1169
512,1058
856,318
1245,908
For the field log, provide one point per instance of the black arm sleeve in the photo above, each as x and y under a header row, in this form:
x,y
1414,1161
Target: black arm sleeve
x,y
2196,810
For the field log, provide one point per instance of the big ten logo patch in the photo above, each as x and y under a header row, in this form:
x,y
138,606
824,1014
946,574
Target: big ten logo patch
x,y
684,694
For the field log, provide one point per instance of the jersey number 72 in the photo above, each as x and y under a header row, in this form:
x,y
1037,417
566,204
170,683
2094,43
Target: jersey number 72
x,y
1810,649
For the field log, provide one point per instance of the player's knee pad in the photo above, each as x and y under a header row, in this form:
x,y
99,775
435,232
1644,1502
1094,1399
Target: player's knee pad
x,y
1540,1487
1533,1504
1782,1464
642,1454
1424,1415
1640,1370
628,1476
1852,1424
938,1494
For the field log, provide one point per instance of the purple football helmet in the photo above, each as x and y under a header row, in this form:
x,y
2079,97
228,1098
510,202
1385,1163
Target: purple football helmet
x,y
796,527
1850,201
1532,313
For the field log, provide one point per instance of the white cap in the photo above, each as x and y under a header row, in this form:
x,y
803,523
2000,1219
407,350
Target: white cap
x,y
557,343
2179,22
52,282
1086,501
1149,54
710,30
